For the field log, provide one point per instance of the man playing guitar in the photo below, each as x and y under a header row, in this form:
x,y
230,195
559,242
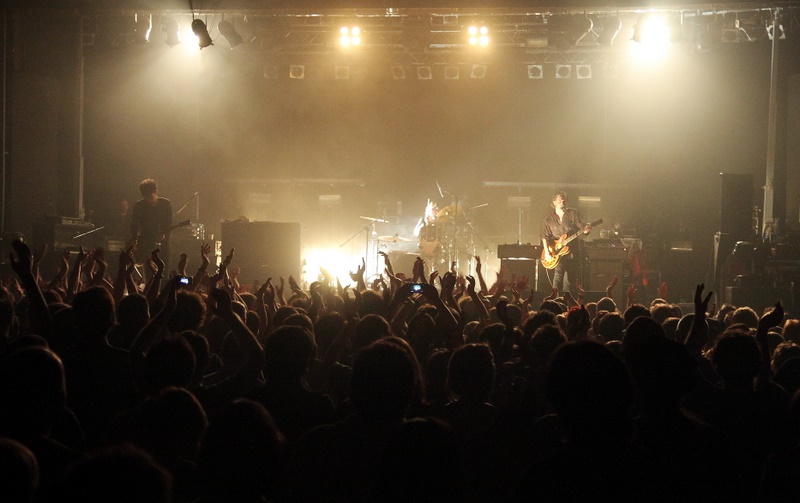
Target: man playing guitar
x,y
561,221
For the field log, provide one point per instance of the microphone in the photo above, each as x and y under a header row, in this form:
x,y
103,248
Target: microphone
x,y
441,194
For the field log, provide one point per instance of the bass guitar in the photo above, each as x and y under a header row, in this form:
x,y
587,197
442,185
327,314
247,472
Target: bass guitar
x,y
560,248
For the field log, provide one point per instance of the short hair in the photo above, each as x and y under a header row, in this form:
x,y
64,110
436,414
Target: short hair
x,y
471,372
148,187
791,331
606,304
556,194
745,315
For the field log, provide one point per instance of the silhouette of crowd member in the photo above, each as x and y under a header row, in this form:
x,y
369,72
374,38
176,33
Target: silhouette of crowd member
x,y
19,472
133,313
753,418
633,311
694,453
779,480
610,327
791,331
99,378
422,462
288,353
337,462
151,221
240,454
32,400
122,473
591,391
172,424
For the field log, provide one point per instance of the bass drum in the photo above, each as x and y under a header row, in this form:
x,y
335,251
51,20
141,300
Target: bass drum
x,y
431,241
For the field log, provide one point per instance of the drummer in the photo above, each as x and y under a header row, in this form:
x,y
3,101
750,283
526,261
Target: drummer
x,y
429,218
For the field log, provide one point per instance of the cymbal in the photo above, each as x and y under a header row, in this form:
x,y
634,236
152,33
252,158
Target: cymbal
x,y
393,239
449,213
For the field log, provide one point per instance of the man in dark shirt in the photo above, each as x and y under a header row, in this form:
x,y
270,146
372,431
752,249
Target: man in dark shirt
x,y
559,221
151,220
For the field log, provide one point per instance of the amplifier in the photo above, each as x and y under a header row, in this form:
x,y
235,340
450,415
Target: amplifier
x,y
606,253
525,250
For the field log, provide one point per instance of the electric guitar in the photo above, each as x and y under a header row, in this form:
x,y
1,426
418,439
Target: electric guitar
x,y
560,248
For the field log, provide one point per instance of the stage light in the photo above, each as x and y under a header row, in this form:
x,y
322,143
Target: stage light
x,y
611,71
229,32
611,27
478,72
143,27
424,73
270,72
341,72
478,36
172,33
297,72
350,36
398,72
583,71
652,31
563,71
535,71
201,32
451,72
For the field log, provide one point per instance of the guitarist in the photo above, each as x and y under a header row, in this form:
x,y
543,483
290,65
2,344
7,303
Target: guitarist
x,y
151,221
559,221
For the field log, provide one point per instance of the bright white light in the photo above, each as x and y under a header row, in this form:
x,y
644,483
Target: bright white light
x,y
350,36
655,31
473,40
484,40
333,260
484,30
472,30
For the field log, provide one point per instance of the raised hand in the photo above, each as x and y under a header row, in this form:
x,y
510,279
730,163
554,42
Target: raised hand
x,y
477,264
772,318
611,285
701,304
21,259
631,292
156,260
205,249
470,286
184,260
662,290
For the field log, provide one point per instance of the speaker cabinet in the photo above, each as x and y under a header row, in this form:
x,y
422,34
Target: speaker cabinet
x,y
263,249
601,272
519,267
736,205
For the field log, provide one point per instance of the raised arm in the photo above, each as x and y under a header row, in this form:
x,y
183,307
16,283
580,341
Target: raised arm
x,y
21,261
698,332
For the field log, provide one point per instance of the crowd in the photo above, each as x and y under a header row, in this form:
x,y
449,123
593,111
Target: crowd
x,y
417,387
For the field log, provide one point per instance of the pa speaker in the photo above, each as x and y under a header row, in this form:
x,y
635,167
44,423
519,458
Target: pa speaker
x,y
736,205
263,249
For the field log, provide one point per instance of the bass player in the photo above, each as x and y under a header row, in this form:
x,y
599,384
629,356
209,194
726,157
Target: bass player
x,y
559,222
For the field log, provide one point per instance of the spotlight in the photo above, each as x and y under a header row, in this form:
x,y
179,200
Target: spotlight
x,y
651,31
270,72
398,72
143,26
451,72
229,32
350,36
563,71
297,72
478,35
201,31
424,73
478,72
583,71
535,71
341,72
611,27
172,34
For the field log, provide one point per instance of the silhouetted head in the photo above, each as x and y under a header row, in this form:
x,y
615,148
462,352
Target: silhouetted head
x,y
610,327
93,312
19,472
123,474
634,311
169,363
288,353
737,359
546,340
190,311
591,391
240,451
32,392
471,373
369,329
606,304
382,382
421,462
173,421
